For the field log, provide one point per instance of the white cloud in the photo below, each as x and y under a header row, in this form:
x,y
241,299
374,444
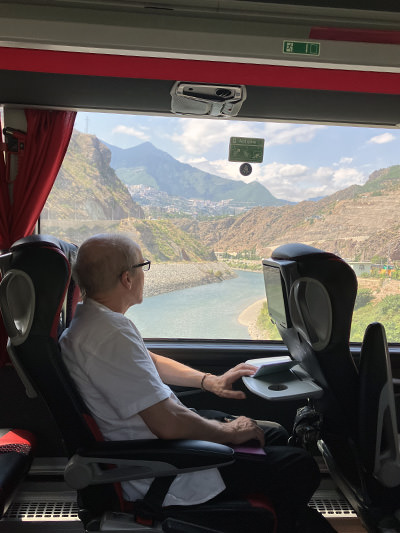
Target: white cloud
x,y
299,182
345,160
347,176
323,173
286,181
294,182
199,135
277,171
126,130
220,167
289,133
192,160
382,139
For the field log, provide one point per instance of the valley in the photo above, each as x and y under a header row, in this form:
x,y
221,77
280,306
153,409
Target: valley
x,y
183,217
212,216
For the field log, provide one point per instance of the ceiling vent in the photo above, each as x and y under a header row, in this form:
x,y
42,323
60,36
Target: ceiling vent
x,y
202,99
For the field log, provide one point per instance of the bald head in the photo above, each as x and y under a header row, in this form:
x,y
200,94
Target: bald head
x,y
101,260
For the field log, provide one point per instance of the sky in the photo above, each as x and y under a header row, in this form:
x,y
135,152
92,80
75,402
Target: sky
x,y
301,161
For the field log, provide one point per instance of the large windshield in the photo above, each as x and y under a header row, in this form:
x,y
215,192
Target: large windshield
x,y
167,182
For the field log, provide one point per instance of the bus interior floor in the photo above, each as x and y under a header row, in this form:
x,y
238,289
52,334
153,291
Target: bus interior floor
x,y
50,506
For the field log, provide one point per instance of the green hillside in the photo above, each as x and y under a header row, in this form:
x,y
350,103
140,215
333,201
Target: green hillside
x,y
136,176
385,311
388,179
162,241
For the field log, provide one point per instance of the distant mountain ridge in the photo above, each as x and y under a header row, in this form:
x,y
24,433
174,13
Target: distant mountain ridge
x,y
356,223
145,164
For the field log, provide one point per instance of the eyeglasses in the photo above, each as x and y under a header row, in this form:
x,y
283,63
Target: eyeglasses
x,y
145,265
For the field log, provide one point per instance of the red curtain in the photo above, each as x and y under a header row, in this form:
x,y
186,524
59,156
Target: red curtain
x,y
47,139
4,198
4,213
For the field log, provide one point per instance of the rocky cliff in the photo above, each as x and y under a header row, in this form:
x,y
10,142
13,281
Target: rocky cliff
x,y
87,188
356,223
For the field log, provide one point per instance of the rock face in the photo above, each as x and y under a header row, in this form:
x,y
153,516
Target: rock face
x,y
356,223
87,188
88,198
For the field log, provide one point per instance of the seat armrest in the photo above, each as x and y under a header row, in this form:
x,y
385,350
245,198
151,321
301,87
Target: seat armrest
x,y
142,459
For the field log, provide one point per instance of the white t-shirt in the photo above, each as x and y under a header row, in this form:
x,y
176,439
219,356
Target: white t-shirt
x,y
115,374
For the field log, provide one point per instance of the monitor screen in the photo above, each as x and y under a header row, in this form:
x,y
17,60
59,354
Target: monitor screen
x,y
275,295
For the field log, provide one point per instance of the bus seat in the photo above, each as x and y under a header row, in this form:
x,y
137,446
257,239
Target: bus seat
x,y
377,426
319,291
16,446
358,435
36,292
16,452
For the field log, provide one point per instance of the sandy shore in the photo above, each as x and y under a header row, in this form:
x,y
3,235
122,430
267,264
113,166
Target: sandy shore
x,y
248,318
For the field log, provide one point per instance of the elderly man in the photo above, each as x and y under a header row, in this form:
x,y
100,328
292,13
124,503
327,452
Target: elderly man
x,y
126,389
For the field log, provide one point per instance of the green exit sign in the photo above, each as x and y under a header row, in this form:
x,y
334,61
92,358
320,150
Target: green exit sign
x,y
301,47
246,150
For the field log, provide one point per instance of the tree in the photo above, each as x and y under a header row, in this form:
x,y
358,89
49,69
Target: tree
x,y
363,297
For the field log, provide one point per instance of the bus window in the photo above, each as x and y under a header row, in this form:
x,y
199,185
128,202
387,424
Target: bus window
x,y
168,183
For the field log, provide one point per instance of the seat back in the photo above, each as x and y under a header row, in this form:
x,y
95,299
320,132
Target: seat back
x,y
33,292
378,440
36,302
311,296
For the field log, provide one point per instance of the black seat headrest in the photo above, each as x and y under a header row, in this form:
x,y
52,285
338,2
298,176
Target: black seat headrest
x,y
69,250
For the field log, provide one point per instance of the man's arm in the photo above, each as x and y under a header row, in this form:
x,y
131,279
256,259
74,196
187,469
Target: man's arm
x,y
170,420
175,373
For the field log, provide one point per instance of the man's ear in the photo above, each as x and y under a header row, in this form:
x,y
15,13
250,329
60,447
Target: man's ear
x,y
126,279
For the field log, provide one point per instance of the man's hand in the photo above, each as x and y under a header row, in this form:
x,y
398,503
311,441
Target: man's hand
x,y
169,419
222,385
245,429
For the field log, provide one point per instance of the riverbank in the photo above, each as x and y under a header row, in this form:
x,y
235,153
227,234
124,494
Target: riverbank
x,y
168,277
249,317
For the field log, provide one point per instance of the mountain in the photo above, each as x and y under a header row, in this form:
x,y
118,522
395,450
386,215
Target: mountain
x,y
145,164
87,188
356,223
315,199
89,198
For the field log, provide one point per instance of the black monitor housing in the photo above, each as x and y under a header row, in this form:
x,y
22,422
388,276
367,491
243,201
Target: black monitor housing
x,y
277,277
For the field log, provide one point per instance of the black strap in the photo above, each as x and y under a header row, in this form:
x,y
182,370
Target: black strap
x,y
151,505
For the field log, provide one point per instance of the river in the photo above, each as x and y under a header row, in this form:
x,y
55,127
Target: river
x,y
208,311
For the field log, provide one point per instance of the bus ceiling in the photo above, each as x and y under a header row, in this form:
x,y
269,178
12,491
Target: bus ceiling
x,y
225,30
297,62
